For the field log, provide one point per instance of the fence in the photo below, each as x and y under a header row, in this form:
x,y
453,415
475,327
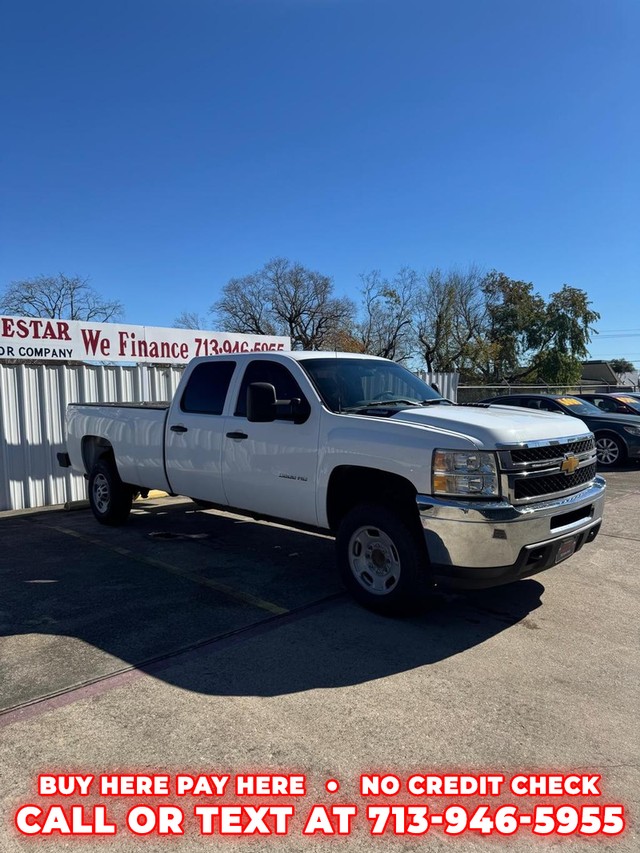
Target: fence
x,y
475,393
33,400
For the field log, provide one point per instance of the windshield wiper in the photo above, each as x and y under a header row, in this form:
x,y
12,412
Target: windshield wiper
x,y
401,401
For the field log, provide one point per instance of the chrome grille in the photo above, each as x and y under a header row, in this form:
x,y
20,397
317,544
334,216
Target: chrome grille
x,y
552,451
536,487
547,469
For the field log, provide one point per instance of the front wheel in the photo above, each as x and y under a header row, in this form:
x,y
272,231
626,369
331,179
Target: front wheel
x,y
382,559
110,499
610,450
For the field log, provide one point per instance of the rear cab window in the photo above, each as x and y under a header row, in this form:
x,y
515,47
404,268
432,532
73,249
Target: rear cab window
x,y
207,388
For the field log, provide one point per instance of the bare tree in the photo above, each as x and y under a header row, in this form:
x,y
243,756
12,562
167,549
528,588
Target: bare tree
x,y
303,304
59,297
190,320
244,307
450,318
385,328
287,299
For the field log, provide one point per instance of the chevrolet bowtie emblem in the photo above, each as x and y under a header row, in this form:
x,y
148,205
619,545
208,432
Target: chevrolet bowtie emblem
x,y
569,464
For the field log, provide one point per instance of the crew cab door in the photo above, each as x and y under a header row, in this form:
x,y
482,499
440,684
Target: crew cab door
x,y
271,468
194,432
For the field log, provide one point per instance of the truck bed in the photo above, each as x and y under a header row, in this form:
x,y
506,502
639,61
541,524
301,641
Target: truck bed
x,y
135,432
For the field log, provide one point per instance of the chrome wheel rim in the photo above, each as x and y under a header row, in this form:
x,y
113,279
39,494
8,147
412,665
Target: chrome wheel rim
x,y
101,493
607,450
374,560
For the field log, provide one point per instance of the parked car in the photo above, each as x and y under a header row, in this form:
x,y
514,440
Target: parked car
x,y
617,436
419,492
619,403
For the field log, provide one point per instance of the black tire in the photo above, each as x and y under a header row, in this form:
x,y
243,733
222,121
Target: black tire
x,y
382,559
611,450
110,499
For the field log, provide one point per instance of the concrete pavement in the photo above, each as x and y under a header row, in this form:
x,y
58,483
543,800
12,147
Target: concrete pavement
x,y
228,645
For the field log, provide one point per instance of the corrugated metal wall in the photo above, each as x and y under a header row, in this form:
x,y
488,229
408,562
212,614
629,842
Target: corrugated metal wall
x,y
446,382
33,400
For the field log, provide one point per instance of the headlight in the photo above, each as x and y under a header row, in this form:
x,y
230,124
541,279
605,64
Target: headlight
x,y
634,430
465,473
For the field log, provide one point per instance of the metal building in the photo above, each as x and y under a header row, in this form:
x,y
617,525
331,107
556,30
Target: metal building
x,y
33,400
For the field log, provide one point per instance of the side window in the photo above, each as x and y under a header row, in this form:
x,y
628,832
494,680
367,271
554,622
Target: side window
x,y
207,388
606,404
277,375
549,406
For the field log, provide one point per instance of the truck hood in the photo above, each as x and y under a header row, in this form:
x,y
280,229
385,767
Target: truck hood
x,y
497,424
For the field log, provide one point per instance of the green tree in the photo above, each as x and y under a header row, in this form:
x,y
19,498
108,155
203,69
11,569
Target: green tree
x,y
564,336
528,338
620,366
514,317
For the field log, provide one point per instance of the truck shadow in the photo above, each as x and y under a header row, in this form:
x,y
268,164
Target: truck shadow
x,y
341,644
94,601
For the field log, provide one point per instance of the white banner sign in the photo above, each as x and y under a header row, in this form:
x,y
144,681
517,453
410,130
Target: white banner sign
x,y
41,339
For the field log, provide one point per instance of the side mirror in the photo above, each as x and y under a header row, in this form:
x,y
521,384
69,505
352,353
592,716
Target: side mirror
x,y
261,402
299,410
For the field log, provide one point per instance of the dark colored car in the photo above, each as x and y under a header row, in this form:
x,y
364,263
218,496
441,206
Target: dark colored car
x,y
617,436
618,403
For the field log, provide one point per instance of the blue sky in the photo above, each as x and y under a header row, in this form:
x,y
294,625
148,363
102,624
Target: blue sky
x,y
161,147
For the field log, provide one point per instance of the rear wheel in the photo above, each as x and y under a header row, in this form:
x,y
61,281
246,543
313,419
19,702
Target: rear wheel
x,y
610,450
110,499
382,559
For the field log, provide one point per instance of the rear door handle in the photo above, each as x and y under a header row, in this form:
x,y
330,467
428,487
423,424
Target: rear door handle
x,y
237,435
178,428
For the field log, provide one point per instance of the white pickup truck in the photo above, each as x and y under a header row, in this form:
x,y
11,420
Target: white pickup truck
x,y
418,491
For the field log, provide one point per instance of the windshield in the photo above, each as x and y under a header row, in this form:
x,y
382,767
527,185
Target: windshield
x,y
578,407
348,384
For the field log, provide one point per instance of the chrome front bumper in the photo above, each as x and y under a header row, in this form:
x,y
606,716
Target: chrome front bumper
x,y
475,544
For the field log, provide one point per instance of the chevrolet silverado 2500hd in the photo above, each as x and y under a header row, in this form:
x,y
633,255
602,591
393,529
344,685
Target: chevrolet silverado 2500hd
x,y
419,492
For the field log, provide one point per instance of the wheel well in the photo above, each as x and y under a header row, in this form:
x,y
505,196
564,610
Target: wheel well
x,y
93,448
350,485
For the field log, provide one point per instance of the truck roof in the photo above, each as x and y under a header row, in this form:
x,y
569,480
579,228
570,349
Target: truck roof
x,y
294,355
301,355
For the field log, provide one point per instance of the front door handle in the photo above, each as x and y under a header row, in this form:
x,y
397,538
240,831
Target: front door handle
x,y
237,435
178,428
